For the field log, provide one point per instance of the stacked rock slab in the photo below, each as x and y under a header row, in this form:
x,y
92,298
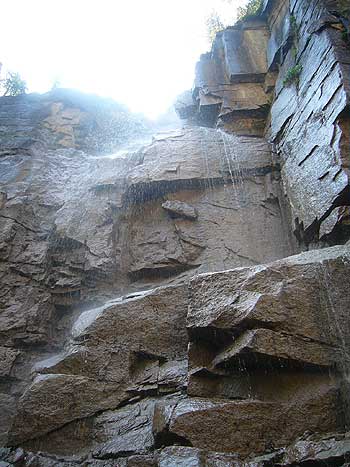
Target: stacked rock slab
x,y
285,74
78,230
168,368
151,313
310,115
230,81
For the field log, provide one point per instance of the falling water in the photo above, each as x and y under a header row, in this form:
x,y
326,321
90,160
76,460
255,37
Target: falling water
x,y
204,151
228,160
230,143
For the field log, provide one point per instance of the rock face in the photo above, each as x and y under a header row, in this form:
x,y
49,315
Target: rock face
x,y
230,81
65,118
309,123
293,60
153,309
210,181
132,381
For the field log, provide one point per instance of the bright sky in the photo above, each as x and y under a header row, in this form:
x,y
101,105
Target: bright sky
x,y
139,52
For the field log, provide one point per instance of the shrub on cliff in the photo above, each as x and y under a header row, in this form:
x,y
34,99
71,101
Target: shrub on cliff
x,y
214,25
252,8
13,84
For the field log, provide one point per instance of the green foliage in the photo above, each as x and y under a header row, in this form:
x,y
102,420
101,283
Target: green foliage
x,y
292,75
252,8
214,25
13,84
293,22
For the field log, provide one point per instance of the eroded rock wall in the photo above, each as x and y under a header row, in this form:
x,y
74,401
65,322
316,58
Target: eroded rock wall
x,y
233,365
78,230
285,74
151,314
310,116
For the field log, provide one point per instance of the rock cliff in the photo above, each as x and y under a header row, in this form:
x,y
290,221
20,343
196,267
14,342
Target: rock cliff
x,y
184,302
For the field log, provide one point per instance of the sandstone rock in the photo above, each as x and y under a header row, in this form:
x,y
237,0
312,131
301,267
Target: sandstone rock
x,y
7,412
173,375
296,294
66,118
54,400
309,142
194,154
142,461
185,105
179,457
328,449
119,381
213,174
149,324
122,342
250,426
280,31
227,83
26,313
277,382
180,209
111,463
250,346
283,315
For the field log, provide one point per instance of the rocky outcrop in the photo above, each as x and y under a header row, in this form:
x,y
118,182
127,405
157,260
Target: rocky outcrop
x,y
127,385
65,118
217,179
79,230
230,81
309,123
151,313
284,74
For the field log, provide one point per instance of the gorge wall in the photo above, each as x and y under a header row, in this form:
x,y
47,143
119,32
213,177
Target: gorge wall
x,y
152,313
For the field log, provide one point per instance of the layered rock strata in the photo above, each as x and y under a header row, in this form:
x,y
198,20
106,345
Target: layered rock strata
x,y
285,74
167,367
151,313
78,230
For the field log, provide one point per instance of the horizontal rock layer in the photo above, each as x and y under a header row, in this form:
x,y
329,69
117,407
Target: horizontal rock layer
x,y
129,385
111,354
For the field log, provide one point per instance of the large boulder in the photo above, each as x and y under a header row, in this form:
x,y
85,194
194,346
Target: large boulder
x,y
247,427
129,346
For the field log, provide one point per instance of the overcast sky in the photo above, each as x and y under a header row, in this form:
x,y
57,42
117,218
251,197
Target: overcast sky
x,y
140,52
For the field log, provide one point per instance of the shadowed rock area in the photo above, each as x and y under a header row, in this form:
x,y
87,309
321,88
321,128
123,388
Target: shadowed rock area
x,y
181,299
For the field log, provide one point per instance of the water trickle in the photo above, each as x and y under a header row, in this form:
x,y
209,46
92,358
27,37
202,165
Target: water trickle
x,y
232,159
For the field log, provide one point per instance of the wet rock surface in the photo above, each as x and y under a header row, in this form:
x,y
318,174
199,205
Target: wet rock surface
x,y
309,125
150,312
180,209
72,235
128,387
229,84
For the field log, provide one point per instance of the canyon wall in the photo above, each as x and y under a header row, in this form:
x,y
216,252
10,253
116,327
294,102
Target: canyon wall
x,y
152,312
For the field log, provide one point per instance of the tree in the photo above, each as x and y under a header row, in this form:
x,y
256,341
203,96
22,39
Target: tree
x,y
13,84
214,25
252,8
